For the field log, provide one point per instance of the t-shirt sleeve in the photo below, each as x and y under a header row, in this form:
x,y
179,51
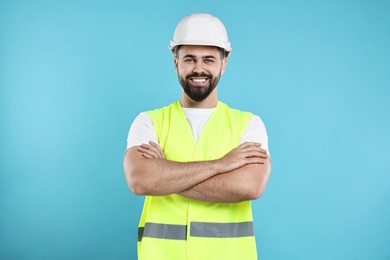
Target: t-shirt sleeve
x,y
141,131
256,132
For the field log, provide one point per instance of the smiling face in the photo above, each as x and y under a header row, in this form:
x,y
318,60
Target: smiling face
x,y
199,69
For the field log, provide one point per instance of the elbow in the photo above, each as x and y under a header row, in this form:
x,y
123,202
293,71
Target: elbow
x,y
136,184
137,187
255,193
135,181
257,188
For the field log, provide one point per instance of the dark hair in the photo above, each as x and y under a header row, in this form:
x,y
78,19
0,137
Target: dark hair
x,y
175,49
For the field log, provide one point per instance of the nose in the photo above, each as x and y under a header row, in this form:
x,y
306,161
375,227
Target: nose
x,y
198,67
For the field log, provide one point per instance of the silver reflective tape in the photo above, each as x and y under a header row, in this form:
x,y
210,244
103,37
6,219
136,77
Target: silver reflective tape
x,y
164,231
209,229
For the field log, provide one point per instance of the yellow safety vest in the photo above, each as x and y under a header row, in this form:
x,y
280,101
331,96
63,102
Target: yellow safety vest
x,y
176,228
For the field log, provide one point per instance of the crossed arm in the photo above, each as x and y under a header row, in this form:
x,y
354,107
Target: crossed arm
x,y
241,174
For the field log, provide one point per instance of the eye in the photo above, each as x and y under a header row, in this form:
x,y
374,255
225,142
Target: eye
x,y
208,61
188,60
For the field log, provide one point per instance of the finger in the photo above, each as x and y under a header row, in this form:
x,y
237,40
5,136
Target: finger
x,y
255,153
250,149
256,148
149,147
153,144
153,152
158,149
242,145
150,151
263,150
145,146
143,150
255,160
249,144
147,156
263,153
258,155
161,153
255,144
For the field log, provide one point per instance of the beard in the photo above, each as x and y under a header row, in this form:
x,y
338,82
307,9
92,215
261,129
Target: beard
x,y
197,93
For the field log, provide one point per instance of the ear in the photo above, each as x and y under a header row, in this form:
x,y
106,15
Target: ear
x,y
223,65
175,62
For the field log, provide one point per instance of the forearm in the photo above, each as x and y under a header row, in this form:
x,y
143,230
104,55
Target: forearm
x,y
158,176
245,183
149,173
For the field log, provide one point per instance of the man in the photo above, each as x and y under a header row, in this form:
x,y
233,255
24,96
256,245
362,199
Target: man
x,y
198,162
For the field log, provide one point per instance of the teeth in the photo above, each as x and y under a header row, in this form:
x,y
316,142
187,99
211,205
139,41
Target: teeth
x,y
199,80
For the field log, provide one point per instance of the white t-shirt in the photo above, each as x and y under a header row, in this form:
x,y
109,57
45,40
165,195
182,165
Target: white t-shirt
x,y
142,130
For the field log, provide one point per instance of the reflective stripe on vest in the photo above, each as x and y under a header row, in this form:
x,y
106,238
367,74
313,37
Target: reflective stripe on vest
x,y
164,231
197,229
207,229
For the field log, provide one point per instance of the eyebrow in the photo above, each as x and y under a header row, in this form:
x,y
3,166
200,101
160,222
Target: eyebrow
x,y
203,57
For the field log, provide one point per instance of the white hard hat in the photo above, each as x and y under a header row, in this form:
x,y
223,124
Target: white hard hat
x,y
201,29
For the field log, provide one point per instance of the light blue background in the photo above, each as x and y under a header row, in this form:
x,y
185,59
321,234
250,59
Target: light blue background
x,y
74,74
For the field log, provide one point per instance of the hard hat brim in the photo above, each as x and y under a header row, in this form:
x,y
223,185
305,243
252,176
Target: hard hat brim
x,y
174,44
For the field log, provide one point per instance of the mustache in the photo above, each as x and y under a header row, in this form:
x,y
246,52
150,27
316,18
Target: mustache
x,y
196,74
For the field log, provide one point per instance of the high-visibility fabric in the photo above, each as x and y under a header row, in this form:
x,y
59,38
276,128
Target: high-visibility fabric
x,y
173,227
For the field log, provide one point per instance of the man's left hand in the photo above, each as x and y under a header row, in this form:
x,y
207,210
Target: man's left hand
x,y
151,150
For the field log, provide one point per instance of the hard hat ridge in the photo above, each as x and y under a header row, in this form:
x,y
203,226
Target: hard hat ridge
x,y
201,29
